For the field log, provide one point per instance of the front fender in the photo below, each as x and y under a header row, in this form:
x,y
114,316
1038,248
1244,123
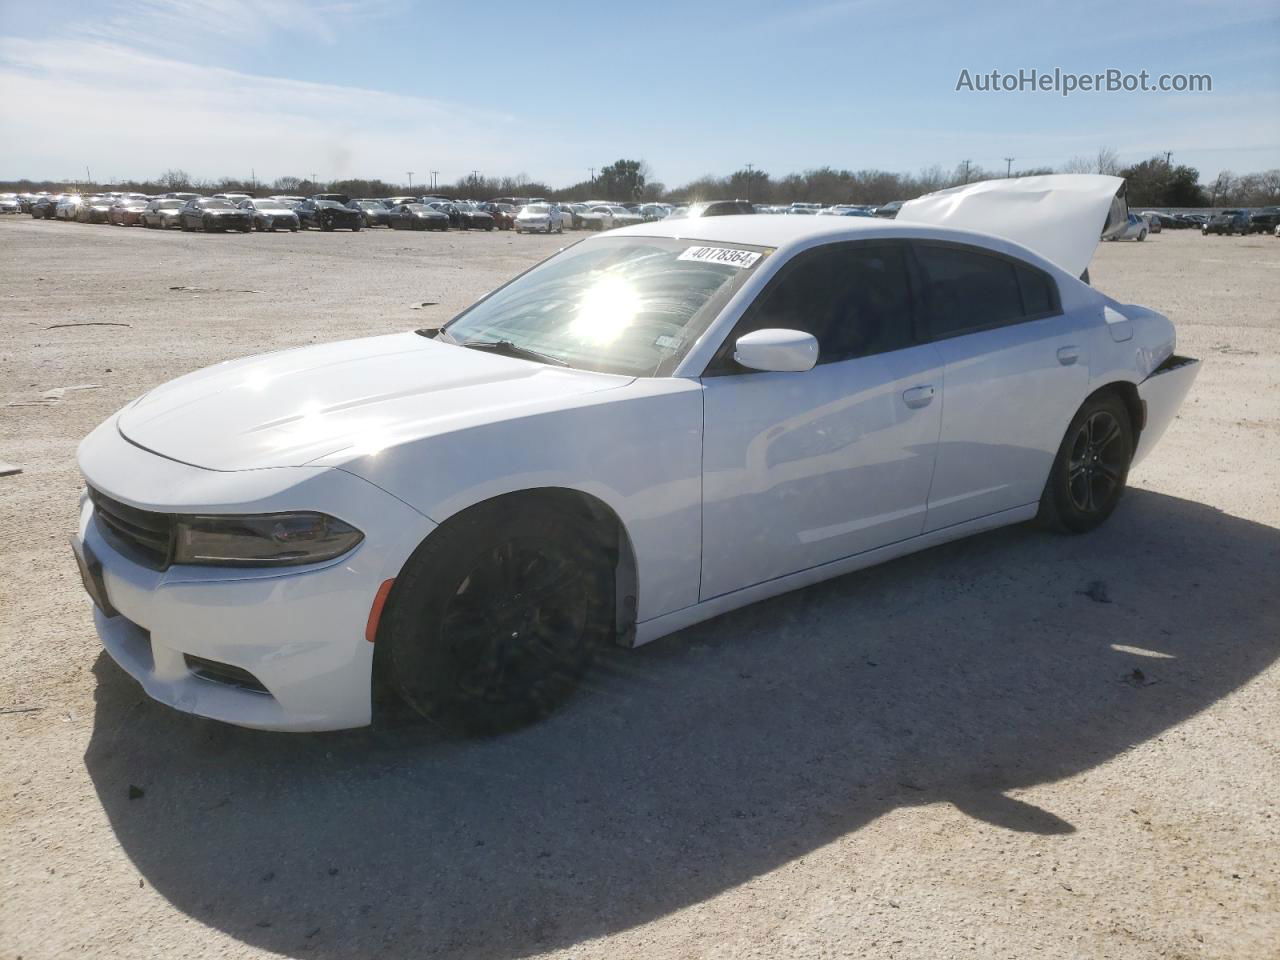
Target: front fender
x,y
637,449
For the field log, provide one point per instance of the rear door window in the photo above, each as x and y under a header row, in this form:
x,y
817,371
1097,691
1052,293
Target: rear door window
x,y
966,290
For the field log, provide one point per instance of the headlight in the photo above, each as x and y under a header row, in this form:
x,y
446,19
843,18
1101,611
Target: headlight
x,y
264,540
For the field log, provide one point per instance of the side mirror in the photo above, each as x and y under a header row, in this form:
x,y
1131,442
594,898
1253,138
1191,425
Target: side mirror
x,y
778,351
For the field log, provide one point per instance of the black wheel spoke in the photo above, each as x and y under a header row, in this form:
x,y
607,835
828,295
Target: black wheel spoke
x,y
1109,436
517,619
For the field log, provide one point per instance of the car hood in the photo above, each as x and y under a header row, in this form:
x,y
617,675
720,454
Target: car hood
x,y
356,397
1061,217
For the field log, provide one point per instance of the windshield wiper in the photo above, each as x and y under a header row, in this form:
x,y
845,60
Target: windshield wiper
x,y
509,349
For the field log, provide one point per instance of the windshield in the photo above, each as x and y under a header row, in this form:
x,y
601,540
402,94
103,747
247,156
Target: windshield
x,y
266,207
535,208
630,305
216,205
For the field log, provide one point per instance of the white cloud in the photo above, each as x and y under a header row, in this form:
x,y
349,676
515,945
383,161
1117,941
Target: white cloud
x,y
126,113
156,23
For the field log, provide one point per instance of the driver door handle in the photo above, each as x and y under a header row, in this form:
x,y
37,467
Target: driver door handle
x,y
918,397
1068,355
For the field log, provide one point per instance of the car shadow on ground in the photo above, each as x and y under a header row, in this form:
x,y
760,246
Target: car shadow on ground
x,y
693,764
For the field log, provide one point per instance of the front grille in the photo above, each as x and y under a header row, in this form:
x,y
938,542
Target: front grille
x,y
225,673
146,535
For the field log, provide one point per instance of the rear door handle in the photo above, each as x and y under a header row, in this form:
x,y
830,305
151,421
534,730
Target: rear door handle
x,y
918,397
1068,355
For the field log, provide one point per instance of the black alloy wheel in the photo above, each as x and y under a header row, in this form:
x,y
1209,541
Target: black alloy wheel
x,y
1097,463
1089,473
496,618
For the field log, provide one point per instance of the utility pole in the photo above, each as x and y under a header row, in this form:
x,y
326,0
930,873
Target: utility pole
x,y
88,177
1167,155
314,181
1008,166
592,171
410,172
475,179
253,177
965,164
434,174
750,167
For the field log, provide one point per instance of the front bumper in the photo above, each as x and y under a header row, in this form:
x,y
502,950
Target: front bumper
x,y
299,631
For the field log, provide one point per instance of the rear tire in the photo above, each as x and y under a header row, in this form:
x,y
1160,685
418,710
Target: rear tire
x,y
1089,474
496,617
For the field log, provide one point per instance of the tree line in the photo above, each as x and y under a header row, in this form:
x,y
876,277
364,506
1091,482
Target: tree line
x,y
1155,182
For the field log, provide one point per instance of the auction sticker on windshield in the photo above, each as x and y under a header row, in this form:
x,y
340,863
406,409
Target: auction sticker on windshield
x,y
729,257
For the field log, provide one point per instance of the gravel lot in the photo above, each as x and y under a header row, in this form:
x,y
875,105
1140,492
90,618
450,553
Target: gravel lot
x,y
1018,745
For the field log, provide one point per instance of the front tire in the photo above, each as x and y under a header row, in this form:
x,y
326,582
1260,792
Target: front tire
x,y
1089,474
496,617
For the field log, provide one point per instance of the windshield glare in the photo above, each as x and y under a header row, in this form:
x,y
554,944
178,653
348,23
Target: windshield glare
x,y
627,305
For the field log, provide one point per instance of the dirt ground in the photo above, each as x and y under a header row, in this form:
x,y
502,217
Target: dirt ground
x,y
1020,745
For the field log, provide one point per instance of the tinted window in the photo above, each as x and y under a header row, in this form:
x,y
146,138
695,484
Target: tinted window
x,y
1039,294
854,298
966,290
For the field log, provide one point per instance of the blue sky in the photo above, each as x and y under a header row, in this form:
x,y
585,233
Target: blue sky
x,y
374,88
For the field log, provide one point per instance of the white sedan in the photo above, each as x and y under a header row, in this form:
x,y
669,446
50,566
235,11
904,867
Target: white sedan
x,y
647,429
540,218
607,216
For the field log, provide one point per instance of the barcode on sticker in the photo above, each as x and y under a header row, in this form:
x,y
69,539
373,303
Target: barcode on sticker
x,y
729,257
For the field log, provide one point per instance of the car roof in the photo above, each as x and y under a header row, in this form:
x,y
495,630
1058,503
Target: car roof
x,y
764,231
789,233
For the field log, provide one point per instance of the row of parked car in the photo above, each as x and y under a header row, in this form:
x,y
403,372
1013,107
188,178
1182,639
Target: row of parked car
x,y
1225,222
336,211
333,211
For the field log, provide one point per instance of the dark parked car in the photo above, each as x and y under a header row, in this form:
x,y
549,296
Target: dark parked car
x,y
127,213
162,213
464,215
1265,220
719,208
328,215
214,215
95,210
374,212
42,207
1227,222
271,215
504,214
417,216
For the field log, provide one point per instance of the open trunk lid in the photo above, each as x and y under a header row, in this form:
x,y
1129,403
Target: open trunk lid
x,y
1059,216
